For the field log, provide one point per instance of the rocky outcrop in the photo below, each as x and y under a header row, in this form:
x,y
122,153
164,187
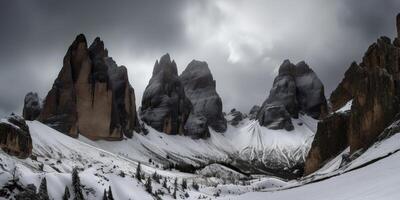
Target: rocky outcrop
x,y
346,88
235,117
275,117
330,140
200,88
32,106
15,138
296,89
374,87
91,95
165,106
253,112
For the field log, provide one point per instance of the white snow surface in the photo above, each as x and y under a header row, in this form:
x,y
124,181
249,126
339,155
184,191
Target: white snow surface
x,y
246,141
346,106
100,168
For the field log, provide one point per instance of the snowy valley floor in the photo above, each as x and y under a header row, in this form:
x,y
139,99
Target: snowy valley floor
x,y
57,154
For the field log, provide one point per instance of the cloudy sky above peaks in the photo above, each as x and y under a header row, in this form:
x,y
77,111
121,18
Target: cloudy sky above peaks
x,y
244,42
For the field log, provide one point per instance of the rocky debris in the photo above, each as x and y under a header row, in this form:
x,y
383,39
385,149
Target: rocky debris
x,y
91,95
253,112
329,141
32,106
15,138
296,89
200,88
165,106
373,85
235,117
275,117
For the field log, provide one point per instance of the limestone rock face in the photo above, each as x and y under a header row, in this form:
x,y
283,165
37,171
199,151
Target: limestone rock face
x,y
165,106
296,89
32,106
373,85
347,87
275,117
15,138
330,140
91,95
200,88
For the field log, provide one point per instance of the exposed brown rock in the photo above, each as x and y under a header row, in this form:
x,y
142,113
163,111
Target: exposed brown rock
x,y
330,139
347,87
376,100
374,87
15,138
91,95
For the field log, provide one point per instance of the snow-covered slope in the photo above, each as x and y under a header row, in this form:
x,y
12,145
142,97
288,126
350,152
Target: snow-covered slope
x,y
55,155
273,149
372,175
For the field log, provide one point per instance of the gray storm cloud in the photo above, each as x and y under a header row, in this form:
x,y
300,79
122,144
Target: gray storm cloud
x,y
243,41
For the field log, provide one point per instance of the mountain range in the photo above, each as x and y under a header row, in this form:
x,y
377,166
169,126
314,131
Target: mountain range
x,y
87,139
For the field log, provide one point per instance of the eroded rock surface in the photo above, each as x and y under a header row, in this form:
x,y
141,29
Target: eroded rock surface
x,y
91,95
15,138
296,89
329,141
32,106
235,117
200,88
373,86
165,106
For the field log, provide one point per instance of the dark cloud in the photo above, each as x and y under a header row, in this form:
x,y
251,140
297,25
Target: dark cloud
x,y
243,42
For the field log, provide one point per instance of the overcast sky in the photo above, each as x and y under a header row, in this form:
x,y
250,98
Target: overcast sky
x,y
244,42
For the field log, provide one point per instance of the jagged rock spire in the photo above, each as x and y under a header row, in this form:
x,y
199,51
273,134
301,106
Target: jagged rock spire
x,y
91,95
200,88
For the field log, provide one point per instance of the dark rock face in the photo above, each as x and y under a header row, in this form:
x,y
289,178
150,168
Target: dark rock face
x,y
345,90
297,89
15,138
253,112
32,106
330,140
91,95
398,25
275,117
207,105
237,117
165,106
374,87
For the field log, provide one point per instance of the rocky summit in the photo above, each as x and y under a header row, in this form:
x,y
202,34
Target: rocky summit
x,y
165,106
200,88
32,106
91,95
15,138
296,89
373,88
